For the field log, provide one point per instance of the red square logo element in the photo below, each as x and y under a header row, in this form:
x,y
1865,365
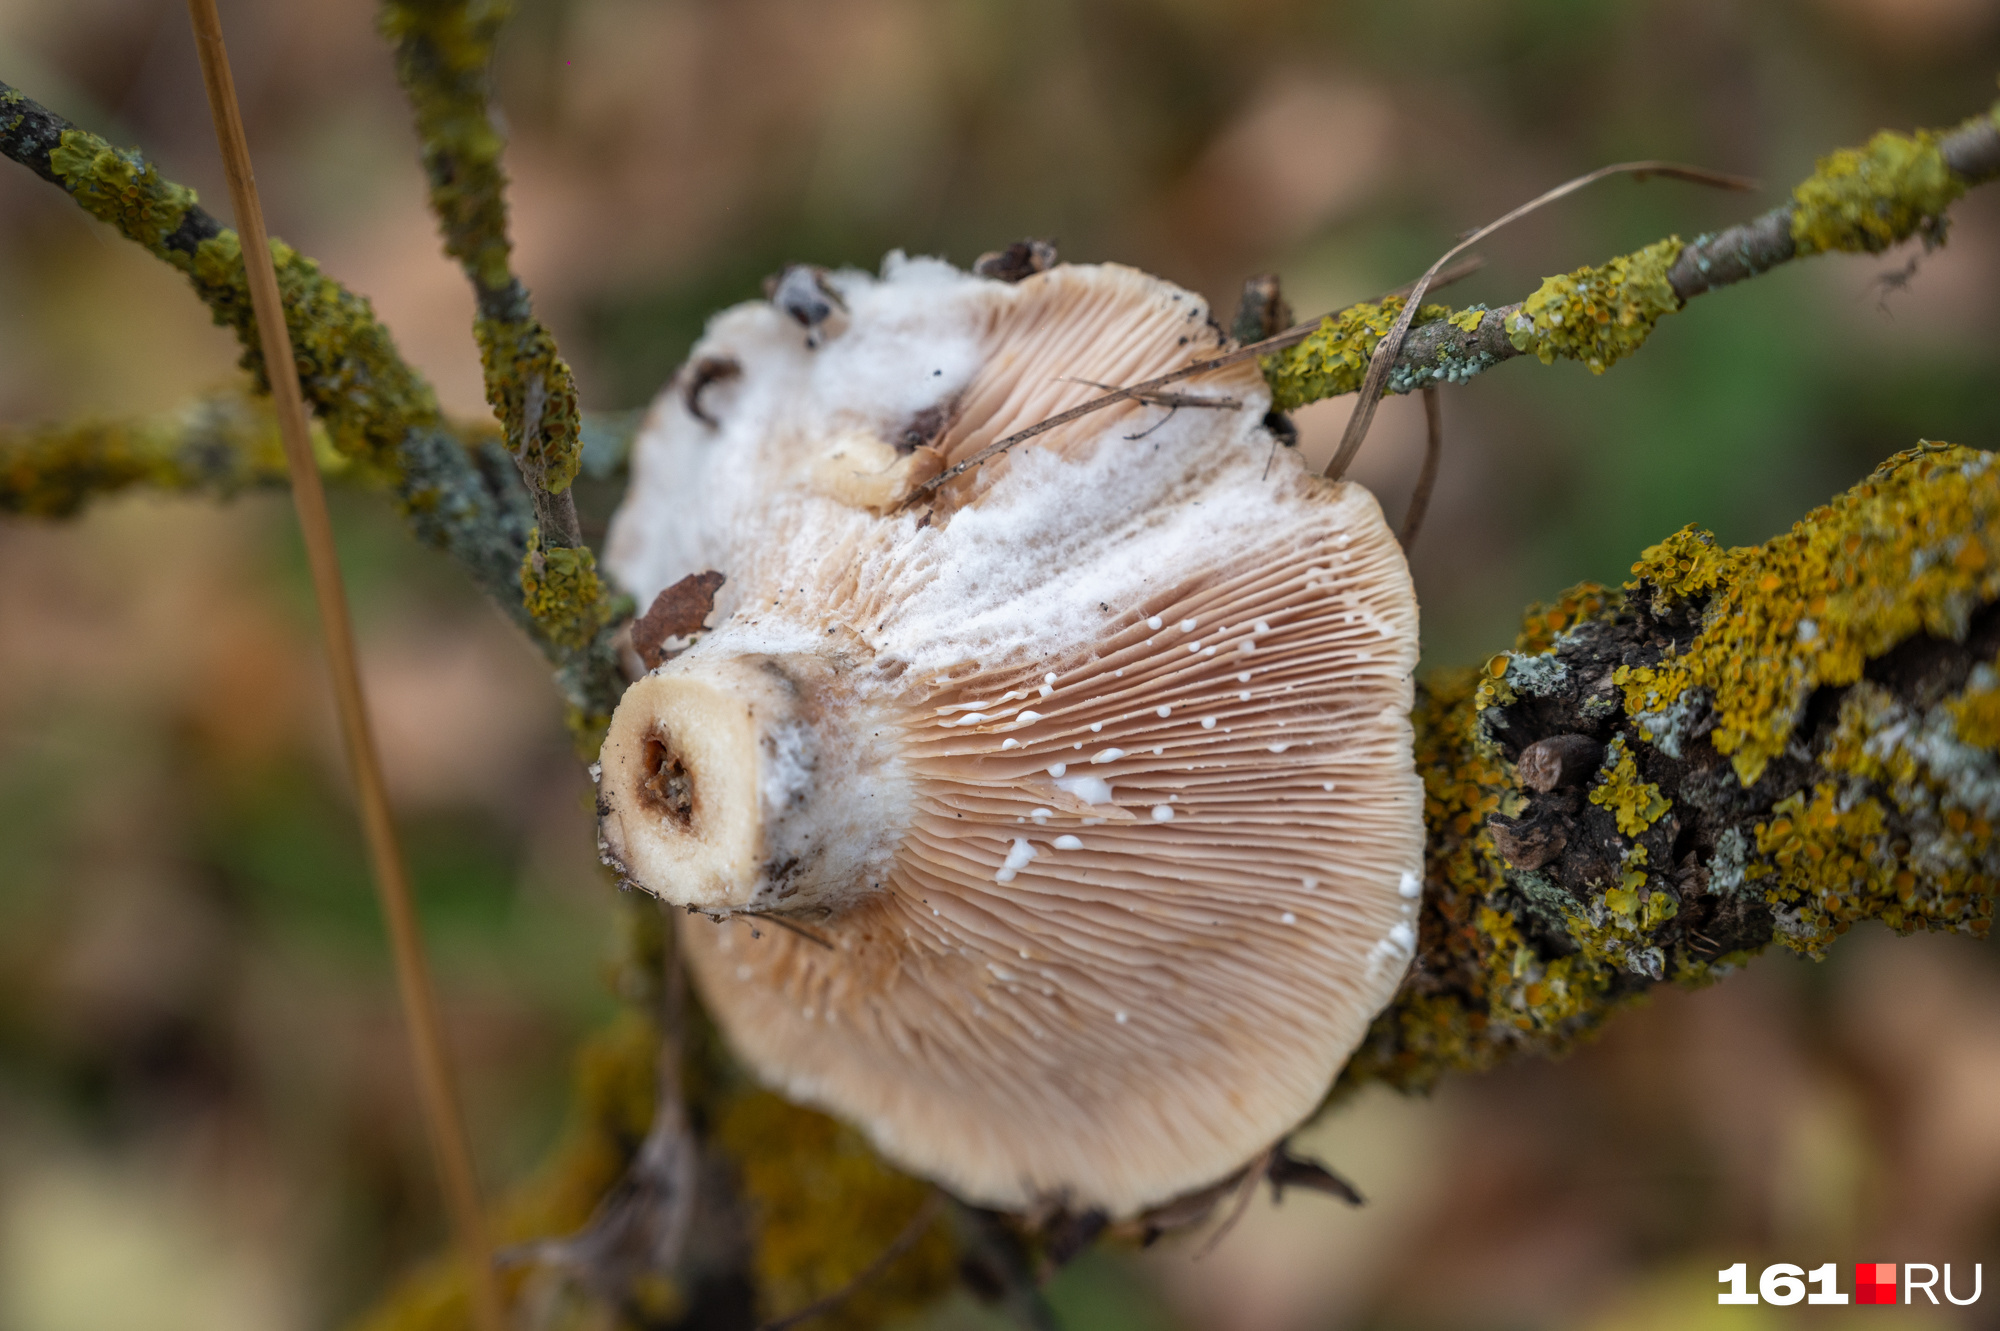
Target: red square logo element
x,y
1875,1282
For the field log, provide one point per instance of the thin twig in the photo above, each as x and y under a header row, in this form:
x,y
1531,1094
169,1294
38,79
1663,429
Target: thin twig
x,y
794,926
1420,498
1253,1174
434,1081
640,1227
918,1226
1391,345
1290,337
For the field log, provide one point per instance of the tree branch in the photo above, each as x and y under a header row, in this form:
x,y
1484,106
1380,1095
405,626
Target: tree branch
x,y
1859,200
1742,746
376,408
444,57
218,446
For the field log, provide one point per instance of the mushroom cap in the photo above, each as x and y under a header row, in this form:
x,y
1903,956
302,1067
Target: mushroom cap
x,y
1138,691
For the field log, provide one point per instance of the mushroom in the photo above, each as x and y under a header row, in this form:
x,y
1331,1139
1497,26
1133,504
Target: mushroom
x,y
1078,787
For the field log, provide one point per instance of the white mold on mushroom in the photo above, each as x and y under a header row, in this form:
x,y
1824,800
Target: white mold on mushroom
x,y
1025,1014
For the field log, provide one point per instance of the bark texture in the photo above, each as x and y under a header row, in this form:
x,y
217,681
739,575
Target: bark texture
x,y
1784,741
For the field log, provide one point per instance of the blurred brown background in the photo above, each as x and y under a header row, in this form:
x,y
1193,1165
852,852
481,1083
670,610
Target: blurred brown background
x,y
205,1114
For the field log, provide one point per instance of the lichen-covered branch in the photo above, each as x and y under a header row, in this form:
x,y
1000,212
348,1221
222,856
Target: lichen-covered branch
x,y
1859,200
218,446
1740,747
444,57
377,410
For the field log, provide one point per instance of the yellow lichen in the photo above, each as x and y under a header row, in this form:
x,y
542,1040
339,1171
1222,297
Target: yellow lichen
x,y
443,52
219,445
1913,548
562,592
1530,994
1830,855
1976,712
1542,623
1598,315
1334,358
1867,199
120,187
348,364
531,388
1660,907
1443,1022
1636,804
824,1208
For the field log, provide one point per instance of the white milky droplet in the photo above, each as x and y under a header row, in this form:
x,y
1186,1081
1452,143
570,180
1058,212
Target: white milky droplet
x,y
1067,842
1163,813
1017,860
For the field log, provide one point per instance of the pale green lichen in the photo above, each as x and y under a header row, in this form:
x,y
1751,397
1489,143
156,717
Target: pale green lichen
x,y
1915,547
1598,315
1867,199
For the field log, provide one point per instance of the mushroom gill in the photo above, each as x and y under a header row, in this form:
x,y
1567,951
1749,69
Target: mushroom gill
x,y
1090,778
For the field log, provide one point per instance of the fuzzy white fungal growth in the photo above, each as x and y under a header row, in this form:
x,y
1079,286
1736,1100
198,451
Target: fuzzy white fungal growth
x,y
828,751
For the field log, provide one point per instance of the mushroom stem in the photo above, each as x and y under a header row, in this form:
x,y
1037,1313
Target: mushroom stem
x,y
752,782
